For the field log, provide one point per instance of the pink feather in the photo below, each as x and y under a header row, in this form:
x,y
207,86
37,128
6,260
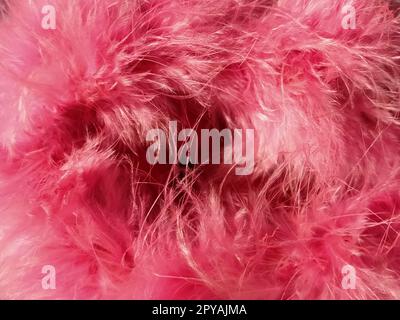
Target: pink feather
x,y
77,193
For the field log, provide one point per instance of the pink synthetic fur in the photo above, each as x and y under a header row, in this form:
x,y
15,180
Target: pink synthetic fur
x,y
77,193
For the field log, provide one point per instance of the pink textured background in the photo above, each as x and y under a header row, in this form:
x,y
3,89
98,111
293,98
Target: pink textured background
x,y
77,193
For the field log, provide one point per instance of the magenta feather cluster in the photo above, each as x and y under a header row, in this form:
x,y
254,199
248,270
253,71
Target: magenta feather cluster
x,y
84,215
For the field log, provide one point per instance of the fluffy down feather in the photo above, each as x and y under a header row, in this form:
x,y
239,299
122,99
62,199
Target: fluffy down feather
x,y
77,193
